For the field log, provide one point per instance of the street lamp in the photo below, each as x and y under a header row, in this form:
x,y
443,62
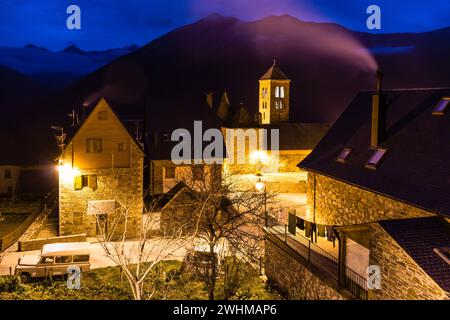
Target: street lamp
x,y
261,188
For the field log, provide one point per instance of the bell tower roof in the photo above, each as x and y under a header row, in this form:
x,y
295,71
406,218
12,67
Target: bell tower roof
x,y
274,73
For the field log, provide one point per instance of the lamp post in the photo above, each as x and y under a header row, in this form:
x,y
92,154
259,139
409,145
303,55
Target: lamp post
x,y
261,187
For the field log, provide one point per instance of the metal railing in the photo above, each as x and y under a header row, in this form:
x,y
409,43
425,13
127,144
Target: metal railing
x,y
324,261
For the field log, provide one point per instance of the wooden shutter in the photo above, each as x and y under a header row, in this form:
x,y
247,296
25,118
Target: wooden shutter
x,y
78,184
92,181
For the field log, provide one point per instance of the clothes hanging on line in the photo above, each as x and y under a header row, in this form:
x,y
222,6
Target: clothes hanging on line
x,y
300,223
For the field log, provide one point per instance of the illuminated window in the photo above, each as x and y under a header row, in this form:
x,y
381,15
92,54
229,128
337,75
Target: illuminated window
x,y
277,92
343,155
103,115
375,159
441,106
93,145
85,181
169,173
281,92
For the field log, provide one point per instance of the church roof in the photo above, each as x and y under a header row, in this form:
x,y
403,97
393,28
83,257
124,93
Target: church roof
x,y
274,73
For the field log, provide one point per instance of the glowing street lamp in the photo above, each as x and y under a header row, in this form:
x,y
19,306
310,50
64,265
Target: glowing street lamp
x,y
261,188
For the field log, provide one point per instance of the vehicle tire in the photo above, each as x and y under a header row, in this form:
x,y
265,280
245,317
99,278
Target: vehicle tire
x,y
24,277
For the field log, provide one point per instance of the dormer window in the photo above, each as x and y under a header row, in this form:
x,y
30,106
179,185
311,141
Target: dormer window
x,y
343,155
441,107
443,253
166,137
375,159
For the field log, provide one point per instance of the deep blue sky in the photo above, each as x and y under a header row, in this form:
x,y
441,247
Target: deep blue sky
x,y
108,23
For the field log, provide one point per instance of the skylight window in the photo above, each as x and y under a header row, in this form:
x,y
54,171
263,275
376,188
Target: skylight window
x,y
441,106
443,253
375,159
343,155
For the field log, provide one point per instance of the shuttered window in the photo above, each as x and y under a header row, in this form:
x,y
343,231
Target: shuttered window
x,y
85,181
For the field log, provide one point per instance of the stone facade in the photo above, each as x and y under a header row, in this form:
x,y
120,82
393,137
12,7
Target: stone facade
x,y
401,277
124,185
179,214
339,204
294,279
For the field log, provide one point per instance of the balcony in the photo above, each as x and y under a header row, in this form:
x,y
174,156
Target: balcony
x,y
310,254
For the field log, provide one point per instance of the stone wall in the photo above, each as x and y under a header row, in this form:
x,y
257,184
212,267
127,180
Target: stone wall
x,y
120,184
338,203
18,208
401,277
293,279
37,244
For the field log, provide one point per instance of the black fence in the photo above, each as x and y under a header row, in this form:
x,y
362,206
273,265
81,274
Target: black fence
x,y
324,261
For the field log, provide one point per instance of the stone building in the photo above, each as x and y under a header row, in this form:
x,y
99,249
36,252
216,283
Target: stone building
x,y
377,185
100,174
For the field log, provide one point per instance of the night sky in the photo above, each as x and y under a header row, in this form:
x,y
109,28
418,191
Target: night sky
x,y
107,24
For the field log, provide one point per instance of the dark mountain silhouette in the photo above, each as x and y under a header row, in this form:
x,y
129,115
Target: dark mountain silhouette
x,y
57,70
23,138
73,49
327,63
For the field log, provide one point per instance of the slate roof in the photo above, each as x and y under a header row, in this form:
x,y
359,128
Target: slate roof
x,y
416,167
418,237
274,73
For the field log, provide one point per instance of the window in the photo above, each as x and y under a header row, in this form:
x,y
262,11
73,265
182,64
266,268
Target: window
x,y
63,259
343,155
277,92
375,159
281,92
122,147
103,115
197,172
84,181
47,260
443,253
7,174
441,106
93,145
264,92
83,258
77,218
169,172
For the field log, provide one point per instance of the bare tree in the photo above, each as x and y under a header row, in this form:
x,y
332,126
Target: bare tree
x,y
223,213
139,256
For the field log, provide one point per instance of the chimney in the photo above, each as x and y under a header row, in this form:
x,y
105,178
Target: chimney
x,y
378,129
209,99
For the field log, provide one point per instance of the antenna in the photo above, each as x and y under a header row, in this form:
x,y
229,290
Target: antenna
x,y
60,137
